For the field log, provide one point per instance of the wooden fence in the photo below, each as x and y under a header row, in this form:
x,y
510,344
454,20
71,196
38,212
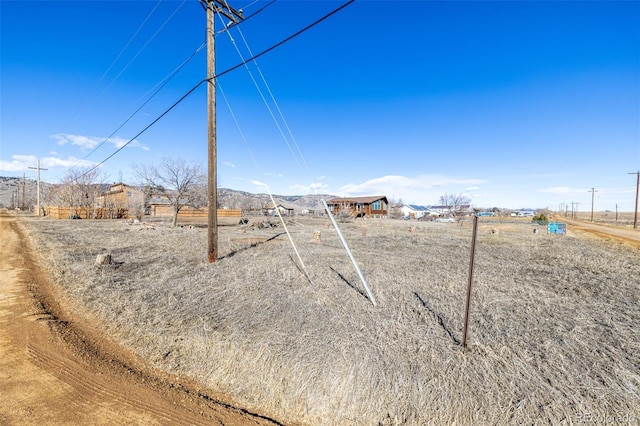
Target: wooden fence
x,y
189,212
57,212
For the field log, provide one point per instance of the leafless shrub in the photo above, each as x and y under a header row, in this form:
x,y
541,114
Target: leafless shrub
x,y
553,332
180,181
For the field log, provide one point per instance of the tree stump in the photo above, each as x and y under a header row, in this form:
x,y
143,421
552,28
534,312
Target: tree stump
x,y
103,259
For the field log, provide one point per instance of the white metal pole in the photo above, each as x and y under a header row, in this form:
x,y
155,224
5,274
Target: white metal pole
x,y
346,247
275,206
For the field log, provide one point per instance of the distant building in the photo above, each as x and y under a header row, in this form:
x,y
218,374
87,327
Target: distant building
x,y
413,211
121,200
284,210
372,206
523,213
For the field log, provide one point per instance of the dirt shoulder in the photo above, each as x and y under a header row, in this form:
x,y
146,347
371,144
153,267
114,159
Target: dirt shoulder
x,y
624,235
58,369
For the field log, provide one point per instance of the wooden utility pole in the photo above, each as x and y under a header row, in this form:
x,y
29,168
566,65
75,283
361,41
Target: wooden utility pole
x,y
38,186
635,214
212,181
24,183
221,7
592,191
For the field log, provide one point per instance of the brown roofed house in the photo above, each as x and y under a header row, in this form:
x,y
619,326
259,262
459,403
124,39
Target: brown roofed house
x,y
370,206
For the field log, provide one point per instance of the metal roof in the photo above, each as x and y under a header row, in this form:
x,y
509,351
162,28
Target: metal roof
x,y
418,208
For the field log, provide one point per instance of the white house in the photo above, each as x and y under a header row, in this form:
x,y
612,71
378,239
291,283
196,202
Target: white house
x,y
414,211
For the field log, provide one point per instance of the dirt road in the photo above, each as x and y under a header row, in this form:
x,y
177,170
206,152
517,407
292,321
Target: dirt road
x,y
624,235
57,369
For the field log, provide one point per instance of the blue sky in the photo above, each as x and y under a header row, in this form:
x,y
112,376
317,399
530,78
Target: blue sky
x,y
514,103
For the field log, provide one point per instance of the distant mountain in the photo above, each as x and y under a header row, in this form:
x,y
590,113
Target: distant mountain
x,y
230,198
11,192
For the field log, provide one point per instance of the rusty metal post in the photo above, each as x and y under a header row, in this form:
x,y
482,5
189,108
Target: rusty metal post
x,y
471,262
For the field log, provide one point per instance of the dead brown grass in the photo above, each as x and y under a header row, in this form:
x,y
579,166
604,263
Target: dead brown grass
x,y
553,334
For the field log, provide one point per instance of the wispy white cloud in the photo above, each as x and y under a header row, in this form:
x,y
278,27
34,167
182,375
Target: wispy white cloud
x,y
90,142
418,189
15,165
20,163
259,184
85,142
397,183
279,175
229,164
562,190
51,162
312,188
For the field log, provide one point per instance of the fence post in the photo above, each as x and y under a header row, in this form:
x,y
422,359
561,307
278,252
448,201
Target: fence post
x,y
470,281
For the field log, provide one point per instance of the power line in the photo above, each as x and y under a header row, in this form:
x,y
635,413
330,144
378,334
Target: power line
x,y
262,96
143,130
144,46
162,84
277,107
313,24
235,120
116,60
213,78
254,59
233,24
130,41
159,86
168,78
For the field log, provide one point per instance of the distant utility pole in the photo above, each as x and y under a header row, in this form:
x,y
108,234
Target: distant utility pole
x,y
616,212
221,7
592,191
38,186
23,185
635,214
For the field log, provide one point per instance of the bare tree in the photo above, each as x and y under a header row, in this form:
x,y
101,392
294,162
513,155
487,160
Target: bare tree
x,y
180,181
79,188
454,203
395,208
135,205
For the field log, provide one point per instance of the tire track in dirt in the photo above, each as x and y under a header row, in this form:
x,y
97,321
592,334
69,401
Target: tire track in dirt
x,y
57,369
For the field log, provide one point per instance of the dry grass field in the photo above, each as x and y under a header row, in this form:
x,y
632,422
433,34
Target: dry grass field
x,y
623,220
553,336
